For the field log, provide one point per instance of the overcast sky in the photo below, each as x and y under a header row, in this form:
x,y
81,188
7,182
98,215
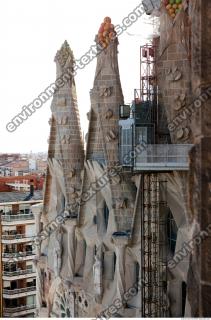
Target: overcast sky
x,y
31,33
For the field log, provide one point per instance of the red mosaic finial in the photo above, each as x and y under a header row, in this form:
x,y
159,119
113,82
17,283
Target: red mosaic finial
x,y
106,32
173,7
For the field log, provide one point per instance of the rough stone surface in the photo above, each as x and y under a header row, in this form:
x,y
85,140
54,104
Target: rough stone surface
x,y
96,255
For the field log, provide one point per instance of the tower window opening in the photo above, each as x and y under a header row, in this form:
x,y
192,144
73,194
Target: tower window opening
x,y
171,232
137,269
106,215
114,262
183,297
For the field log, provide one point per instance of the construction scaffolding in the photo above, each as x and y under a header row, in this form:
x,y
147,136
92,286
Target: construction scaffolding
x,y
148,78
148,72
153,247
146,98
142,131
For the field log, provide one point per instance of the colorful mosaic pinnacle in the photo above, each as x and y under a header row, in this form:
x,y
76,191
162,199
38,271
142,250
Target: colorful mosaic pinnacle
x,y
106,33
173,7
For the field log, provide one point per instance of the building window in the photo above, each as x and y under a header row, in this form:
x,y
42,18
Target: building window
x,y
171,232
95,250
137,269
114,262
183,297
106,215
95,219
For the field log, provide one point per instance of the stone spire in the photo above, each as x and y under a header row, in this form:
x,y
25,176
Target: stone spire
x,y
67,158
64,59
106,96
102,144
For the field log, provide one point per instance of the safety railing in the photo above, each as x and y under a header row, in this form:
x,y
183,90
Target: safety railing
x,y
18,217
20,290
17,272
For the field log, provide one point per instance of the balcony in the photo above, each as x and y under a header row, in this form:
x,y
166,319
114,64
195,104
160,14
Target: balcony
x,y
17,256
18,272
16,238
11,311
17,291
17,217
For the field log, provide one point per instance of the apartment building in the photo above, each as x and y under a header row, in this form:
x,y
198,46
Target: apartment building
x,y
18,281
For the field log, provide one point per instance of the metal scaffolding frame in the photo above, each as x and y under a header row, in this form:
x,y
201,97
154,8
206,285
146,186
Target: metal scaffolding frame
x,y
153,247
148,77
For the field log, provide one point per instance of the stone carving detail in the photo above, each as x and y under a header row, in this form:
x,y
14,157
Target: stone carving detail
x,y
106,92
72,173
65,301
58,252
69,264
109,114
115,179
74,195
120,244
121,203
97,276
62,120
83,302
59,120
71,190
50,121
173,74
183,133
64,55
63,139
111,135
180,101
66,139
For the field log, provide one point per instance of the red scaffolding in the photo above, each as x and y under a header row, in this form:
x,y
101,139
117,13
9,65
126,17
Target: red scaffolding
x,y
148,81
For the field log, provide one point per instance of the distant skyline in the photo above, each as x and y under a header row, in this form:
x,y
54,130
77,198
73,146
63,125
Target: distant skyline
x,y
32,33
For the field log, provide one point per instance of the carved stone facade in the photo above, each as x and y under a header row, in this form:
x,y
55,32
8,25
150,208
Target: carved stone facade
x,y
93,255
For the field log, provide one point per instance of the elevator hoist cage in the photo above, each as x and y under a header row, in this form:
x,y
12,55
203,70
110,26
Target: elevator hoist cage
x,y
139,124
